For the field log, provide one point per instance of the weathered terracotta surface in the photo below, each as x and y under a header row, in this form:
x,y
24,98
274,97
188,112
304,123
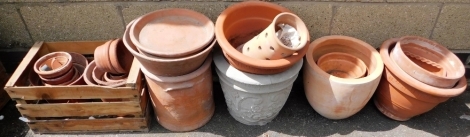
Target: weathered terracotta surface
x,y
267,46
241,22
172,33
254,99
87,75
167,66
428,61
401,97
342,65
334,97
114,57
57,70
103,59
79,62
182,103
60,79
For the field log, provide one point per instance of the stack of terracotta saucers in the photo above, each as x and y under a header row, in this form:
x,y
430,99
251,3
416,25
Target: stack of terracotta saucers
x,y
58,68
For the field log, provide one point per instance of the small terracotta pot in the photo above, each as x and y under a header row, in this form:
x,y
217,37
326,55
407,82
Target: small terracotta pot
x,y
60,79
57,70
182,103
80,70
241,22
401,97
76,75
79,62
428,61
124,57
172,33
342,65
335,97
87,74
167,66
113,77
102,57
267,46
98,77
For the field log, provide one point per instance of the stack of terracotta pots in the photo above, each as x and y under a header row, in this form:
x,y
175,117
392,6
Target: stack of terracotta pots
x,y
173,47
59,68
259,69
419,74
341,75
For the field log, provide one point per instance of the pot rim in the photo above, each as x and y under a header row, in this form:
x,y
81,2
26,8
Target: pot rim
x,y
237,55
379,67
402,75
54,72
87,77
359,63
194,14
182,78
303,27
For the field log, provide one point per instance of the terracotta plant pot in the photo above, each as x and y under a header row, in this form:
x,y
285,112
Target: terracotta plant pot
x,y
167,66
103,59
254,99
182,103
401,97
60,79
87,74
98,77
267,45
241,22
342,65
334,97
172,33
79,62
50,61
428,61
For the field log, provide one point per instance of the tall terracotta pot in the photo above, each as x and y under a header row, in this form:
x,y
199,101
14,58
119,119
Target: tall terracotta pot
x,y
182,103
241,22
254,99
334,97
401,97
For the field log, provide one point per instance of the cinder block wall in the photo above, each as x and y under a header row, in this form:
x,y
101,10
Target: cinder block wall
x,y
446,21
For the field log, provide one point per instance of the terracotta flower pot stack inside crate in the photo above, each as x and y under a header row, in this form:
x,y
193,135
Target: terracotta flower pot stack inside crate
x,y
263,45
173,47
419,74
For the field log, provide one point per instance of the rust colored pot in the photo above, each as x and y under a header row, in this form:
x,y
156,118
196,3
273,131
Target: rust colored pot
x,y
401,97
98,77
113,77
87,74
172,33
167,66
79,62
125,58
59,62
102,57
241,22
428,61
61,79
342,65
182,103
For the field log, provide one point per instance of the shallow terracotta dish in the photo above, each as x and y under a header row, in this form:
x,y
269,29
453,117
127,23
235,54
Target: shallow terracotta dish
x,y
56,70
241,22
172,32
428,61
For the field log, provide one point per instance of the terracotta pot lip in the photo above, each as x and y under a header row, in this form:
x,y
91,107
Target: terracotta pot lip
x,y
44,58
134,51
80,73
222,65
444,52
398,72
374,55
206,65
235,54
302,27
194,14
360,64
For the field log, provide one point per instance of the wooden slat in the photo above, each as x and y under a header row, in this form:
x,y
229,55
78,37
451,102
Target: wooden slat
x,y
70,92
88,125
82,47
135,76
80,109
22,68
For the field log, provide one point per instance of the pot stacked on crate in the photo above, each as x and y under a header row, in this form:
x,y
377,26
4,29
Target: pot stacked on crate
x,y
259,69
341,75
173,47
419,74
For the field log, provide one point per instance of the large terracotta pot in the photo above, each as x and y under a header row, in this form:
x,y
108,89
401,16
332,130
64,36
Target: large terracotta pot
x,y
241,22
401,97
334,97
167,66
254,99
182,103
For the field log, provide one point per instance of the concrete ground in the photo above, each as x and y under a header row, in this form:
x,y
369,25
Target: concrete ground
x,y
297,118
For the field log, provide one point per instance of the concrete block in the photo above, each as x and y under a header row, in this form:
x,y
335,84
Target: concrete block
x,y
13,33
210,9
453,27
375,23
316,16
74,21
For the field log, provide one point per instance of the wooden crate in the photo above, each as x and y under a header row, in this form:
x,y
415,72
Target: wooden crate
x,y
74,117
4,98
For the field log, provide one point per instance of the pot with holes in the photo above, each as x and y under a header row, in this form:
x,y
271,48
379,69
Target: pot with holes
x,y
401,97
336,97
254,99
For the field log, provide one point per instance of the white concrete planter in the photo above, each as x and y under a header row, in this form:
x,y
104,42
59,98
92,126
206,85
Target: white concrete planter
x,y
254,99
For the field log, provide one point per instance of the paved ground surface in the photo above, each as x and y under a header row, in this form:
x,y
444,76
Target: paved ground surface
x,y
297,118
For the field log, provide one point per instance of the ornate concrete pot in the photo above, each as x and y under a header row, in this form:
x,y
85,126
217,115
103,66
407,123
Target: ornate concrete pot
x,y
254,99
335,97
